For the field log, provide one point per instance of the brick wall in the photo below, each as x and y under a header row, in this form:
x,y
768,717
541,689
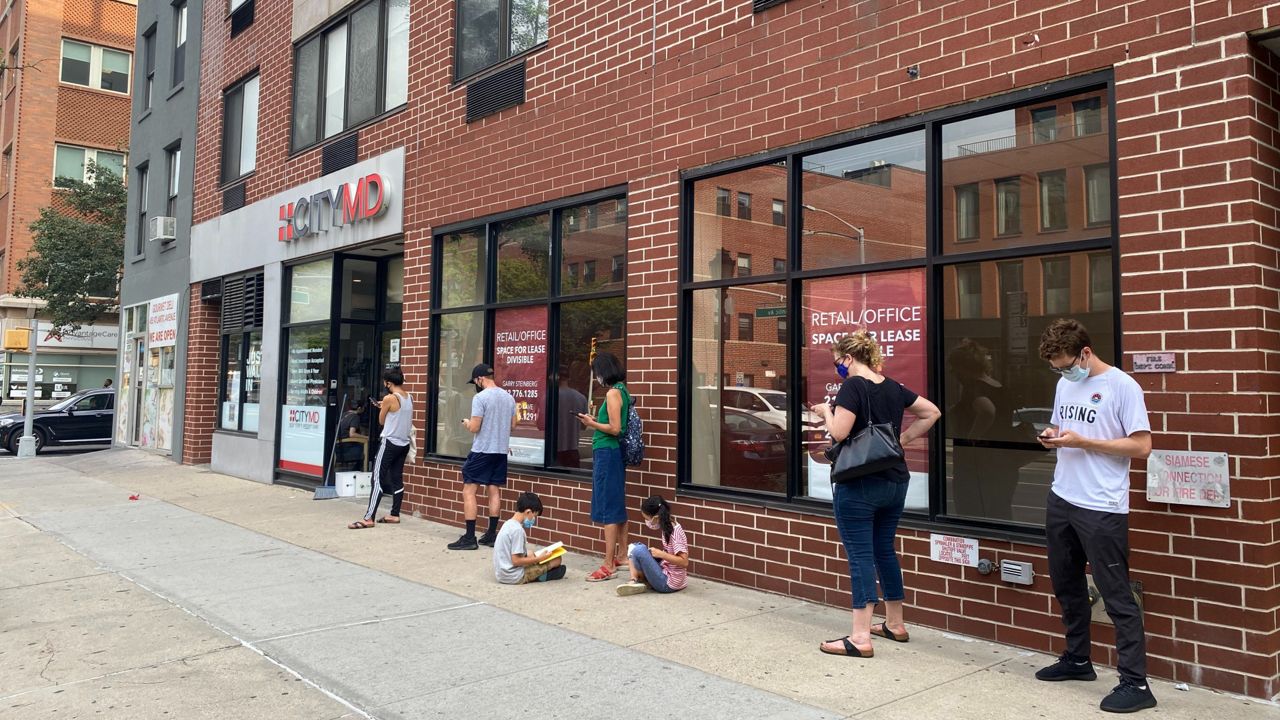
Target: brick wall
x,y
634,93
200,409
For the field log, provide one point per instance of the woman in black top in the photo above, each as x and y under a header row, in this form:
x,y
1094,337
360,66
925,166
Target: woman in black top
x,y
867,509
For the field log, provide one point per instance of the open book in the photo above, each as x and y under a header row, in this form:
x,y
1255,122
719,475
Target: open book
x,y
553,551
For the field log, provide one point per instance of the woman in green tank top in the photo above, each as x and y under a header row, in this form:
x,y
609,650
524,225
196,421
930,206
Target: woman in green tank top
x,y
608,474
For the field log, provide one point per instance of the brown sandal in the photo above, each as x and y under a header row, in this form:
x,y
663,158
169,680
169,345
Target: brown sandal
x,y
882,630
360,525
850,650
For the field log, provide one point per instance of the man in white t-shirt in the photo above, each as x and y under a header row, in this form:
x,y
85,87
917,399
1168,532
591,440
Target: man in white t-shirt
x,y
1099,425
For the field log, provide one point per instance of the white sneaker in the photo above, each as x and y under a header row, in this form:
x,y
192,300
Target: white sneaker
x,y
632,588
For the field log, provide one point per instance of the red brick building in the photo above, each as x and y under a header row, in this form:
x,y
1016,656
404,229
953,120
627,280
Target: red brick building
x,y
942,174
65,101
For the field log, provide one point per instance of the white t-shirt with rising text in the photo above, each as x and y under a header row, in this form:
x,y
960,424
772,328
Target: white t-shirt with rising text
x,y
1109,406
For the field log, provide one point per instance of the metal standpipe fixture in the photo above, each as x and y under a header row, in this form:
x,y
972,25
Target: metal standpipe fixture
x,y
27,445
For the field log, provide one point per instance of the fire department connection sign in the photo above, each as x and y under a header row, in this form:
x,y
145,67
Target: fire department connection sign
x,y
953,550
1179,477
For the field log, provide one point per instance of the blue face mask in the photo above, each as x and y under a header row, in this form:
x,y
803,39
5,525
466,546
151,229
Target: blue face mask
x,y
1075,373
842,370
528,523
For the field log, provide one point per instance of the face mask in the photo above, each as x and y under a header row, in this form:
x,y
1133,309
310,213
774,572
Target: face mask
x,y
528,523
843,371
478,388
1075,373
652,523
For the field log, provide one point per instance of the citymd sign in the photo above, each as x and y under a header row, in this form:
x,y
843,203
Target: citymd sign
x,y
351,202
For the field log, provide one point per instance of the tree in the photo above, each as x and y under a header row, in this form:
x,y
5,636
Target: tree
x,y
77,250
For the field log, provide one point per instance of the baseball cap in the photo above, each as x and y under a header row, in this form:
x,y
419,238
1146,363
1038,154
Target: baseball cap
x,y
481,370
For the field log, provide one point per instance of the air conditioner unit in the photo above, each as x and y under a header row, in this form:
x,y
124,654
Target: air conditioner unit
x,y
162,228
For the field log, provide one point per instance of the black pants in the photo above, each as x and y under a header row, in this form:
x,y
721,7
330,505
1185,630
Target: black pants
x,y
1077,535
388,478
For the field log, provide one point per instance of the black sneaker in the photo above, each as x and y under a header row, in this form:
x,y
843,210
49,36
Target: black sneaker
x,y
466,542
1068,667
1128,697
488,539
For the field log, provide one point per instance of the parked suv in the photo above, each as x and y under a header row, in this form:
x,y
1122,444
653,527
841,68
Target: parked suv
x,y
85,418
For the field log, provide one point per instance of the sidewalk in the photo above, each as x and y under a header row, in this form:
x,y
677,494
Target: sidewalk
x,y
231,576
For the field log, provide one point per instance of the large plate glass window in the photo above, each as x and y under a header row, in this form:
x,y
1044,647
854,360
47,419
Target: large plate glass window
x,y
352,70
583,245
490,31
931,237
306,339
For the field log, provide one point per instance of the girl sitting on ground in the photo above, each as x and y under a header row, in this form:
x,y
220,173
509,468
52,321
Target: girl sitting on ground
x,y
665,570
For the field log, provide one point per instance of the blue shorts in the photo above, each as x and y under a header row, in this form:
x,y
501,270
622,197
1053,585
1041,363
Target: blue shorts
x,y
608,487
485,469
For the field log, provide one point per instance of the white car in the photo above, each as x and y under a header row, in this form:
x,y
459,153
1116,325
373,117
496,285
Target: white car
x,y
768,405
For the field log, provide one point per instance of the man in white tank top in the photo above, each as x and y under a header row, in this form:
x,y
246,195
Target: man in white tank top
x,y
395,415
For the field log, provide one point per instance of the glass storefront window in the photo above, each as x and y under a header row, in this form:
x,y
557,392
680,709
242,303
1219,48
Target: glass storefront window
x,y
232,354
864,203
593,233
463,268
997,392
586,327
891,306
739,390
359,289
303,415
395,290
1042,174
461,346
252,382
720,237
310,291
523,258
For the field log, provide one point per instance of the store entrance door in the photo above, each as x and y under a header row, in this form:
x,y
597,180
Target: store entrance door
x,y
368,341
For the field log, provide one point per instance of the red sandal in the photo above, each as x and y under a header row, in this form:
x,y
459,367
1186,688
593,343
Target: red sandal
x,y
601,574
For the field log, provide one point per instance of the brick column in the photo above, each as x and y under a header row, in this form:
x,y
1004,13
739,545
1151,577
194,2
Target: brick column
x,y
200,409
1196,136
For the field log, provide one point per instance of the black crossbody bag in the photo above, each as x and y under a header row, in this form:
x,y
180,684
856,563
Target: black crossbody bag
x,y
874,449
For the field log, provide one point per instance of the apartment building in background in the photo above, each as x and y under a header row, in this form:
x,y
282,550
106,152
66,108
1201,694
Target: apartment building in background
x,y
157,246
65,101
716,192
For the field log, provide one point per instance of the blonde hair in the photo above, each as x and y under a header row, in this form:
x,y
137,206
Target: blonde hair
x,y
861,347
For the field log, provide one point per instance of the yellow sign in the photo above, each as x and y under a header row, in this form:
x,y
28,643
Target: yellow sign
x,y
17,339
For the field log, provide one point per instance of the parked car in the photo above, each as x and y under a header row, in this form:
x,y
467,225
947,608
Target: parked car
x,y
768,405
752,452
85,418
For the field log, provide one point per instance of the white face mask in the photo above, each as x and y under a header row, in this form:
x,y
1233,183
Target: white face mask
x,y
652,523
1075,373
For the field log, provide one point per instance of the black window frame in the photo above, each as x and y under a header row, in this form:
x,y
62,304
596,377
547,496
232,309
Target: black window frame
x,y
934,262
504,42
779,212
142,181
244,333
488,306
228,95
744,205
321,35
172,178
149,67
181,28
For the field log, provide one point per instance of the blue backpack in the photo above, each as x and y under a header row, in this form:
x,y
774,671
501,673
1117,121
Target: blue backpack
x,y
631,442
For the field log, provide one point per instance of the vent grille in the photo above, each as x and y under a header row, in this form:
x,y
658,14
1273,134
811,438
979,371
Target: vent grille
x,y
242,303
497,92
339,154
759,5
233,198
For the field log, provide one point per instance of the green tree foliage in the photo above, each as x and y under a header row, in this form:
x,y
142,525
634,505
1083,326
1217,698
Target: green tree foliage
x,y
77,250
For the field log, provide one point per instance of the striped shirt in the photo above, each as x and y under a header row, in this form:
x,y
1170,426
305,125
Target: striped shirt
x,y
677,577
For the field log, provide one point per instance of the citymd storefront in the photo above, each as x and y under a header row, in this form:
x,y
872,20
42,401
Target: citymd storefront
x,y
297,303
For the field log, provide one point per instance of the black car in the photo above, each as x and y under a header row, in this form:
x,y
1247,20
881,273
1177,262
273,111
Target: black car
x,y
85,418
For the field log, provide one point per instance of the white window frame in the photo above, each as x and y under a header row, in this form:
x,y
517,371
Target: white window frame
x,y
95,66
89,154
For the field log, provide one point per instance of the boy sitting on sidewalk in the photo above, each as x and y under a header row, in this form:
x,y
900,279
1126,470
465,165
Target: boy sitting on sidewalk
x,y
512,565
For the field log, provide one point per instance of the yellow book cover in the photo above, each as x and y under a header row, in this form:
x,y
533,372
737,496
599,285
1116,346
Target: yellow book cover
x,y
554,551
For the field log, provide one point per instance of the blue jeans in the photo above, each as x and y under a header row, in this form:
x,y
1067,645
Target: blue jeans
x,y
867,512
650,567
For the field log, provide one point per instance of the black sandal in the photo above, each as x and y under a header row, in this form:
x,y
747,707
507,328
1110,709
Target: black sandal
x,y
882,630
850,650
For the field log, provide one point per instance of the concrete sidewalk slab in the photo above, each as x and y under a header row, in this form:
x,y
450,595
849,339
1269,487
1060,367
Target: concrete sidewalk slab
x,y
731,634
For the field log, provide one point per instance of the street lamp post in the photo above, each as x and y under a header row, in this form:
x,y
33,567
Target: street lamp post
x,y
861,238
27,445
